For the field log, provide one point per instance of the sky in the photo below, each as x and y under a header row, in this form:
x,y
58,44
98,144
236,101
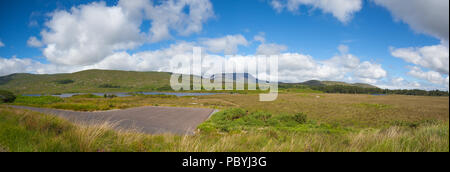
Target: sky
x,y
396,44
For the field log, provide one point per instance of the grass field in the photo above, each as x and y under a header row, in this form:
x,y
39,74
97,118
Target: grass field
x,y
25,131
341,109
294,122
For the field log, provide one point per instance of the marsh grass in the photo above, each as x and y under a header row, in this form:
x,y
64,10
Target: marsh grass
x,y
25,131
356,111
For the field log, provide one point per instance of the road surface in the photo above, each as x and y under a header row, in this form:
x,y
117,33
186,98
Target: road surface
x,y
151,120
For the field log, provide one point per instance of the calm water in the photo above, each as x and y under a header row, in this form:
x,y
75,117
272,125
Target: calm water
x,y
126,94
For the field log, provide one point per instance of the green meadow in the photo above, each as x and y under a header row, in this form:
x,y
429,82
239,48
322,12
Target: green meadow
x,y
294,122
302,119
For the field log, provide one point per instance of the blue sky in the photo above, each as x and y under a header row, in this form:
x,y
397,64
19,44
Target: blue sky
x,y
379,32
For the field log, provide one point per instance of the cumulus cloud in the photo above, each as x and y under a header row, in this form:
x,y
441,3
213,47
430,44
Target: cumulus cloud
x,y
2,44
343,10
432,57
170,15
16,65
34,42
268,48
87,34
369,72
227,44
429,17
343,67
431,76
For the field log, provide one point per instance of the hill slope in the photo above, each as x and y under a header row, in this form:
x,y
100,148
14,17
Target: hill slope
x,y
331,83
85,81
110,81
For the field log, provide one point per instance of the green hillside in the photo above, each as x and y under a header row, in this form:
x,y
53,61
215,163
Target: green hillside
x,y
103,81
362,85
333,83
85,81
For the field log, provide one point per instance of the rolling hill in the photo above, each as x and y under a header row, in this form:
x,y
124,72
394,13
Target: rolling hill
x,y
85,81
110,81
332,83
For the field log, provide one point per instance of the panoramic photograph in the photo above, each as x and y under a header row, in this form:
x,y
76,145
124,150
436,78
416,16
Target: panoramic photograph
x,y
221,76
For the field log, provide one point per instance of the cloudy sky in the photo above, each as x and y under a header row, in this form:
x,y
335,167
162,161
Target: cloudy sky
x,y
388,43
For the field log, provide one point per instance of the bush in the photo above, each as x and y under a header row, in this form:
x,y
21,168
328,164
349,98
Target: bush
x,y
65,81
301,118
6,97
235,113
110,96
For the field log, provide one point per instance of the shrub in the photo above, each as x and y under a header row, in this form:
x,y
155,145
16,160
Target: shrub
x,y
6,97
110,96
301,118
64,81
263,116
235,113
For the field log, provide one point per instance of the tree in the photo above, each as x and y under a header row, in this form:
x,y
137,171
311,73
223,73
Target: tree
x,y
6,97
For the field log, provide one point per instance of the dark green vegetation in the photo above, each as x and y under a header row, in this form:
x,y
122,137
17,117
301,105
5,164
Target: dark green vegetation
x,y
358,88
108,86
235,120
64,81
91,81
6,97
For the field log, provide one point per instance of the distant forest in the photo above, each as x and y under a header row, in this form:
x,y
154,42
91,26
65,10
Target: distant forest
x,y
361,90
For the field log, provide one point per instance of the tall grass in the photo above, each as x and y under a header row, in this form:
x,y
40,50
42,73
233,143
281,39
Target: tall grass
x,y
24,131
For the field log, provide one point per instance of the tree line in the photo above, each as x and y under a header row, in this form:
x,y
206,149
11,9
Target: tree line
x,y
360,90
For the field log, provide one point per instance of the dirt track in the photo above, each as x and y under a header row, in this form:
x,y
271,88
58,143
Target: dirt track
x,y
151,120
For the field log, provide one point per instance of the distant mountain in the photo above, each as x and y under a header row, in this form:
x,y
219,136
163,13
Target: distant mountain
x,y
246,77
331,83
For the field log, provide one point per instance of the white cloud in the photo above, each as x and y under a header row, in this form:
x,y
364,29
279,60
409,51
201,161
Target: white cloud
x,y
401,83
369,72
293,67
170,15
227,44
430,17
16,65
432,57
2,44
342,67
343,10
268,48
34,42
424,16
87,34
431,76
